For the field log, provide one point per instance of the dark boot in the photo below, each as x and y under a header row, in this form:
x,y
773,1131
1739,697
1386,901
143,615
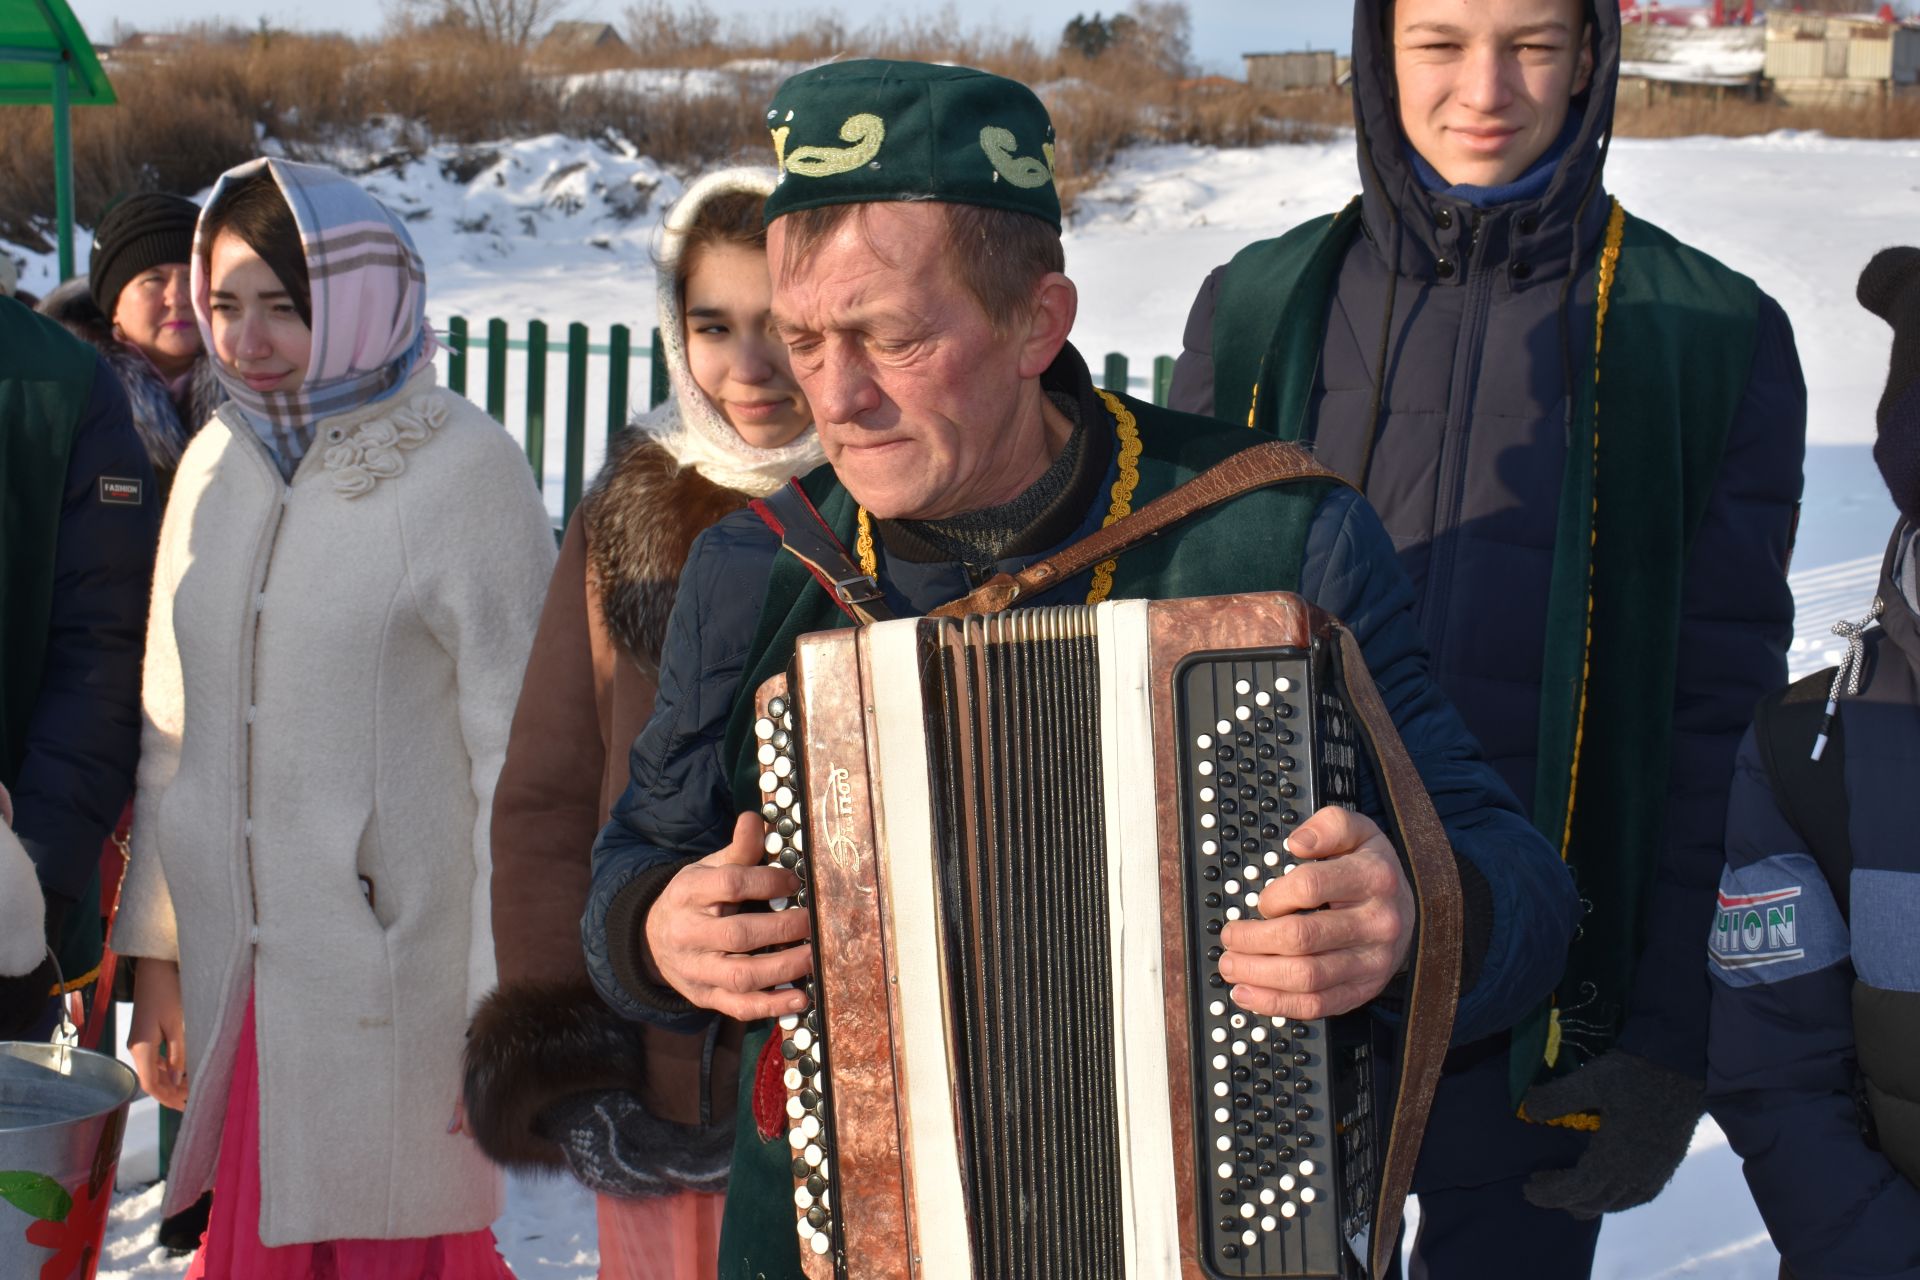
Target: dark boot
x,y
181,1233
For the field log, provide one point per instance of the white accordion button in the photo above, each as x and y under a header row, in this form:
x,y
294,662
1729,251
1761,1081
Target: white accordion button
x,y
1217,1008
1206,795
1206,768
1220,1088
1219,1062
805,1229
1269,1223
812,1155
782,766
767,753
1283,684
1286,1182
802,1198
1233,886
789,1021
1243,712
803,1039
1306,1168
792,1078
796,1139
763,728
1288,1209
1206,819
1219,1035
1267,1197
1221,1115
1249,1238
810,1126
1225,1171
1242,687
1224,727
1209,848
1259,1035
1247,1211
1263,698
775,842
1204,741
1223,1143
1239,1048
820,1242
767,782
1238,1021
795,1111
1306,1195
783,796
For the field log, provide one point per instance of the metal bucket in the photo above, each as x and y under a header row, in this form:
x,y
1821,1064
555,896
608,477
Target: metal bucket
x,y
62,1114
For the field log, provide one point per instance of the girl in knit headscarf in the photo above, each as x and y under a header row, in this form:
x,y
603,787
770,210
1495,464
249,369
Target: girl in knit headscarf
x,y
641,1115
349,575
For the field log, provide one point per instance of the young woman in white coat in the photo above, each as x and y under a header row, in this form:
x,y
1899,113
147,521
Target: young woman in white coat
x,y
350,573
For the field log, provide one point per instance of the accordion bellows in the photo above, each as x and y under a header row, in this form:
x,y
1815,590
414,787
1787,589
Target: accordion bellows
x,y
1020,836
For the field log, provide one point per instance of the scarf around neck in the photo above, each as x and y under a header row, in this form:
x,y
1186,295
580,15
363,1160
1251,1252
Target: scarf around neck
x,y
369,305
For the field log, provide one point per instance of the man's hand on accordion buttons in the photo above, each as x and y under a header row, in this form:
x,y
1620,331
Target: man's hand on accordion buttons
x,y
1334,930
718,956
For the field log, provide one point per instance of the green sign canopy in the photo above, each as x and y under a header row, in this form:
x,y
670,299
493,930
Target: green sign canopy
x,y
46,60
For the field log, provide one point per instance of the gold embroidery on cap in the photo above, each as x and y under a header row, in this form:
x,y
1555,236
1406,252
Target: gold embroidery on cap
x,y
780,147
866,132
1022,171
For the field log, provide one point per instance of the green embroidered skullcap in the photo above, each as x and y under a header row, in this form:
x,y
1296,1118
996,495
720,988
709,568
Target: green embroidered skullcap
x,y
873,130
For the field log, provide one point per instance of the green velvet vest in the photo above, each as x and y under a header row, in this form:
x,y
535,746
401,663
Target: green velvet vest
x,y
1254,543
46,376
1651,416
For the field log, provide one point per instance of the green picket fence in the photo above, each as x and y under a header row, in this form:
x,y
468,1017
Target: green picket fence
x,y
491,345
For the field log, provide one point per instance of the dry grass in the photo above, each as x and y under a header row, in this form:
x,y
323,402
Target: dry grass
x,y
186,115
1690,117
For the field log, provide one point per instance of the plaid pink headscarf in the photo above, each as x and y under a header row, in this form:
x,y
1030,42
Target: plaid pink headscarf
x,y
369,304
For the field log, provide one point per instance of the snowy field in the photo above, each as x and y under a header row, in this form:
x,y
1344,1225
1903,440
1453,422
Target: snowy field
x,y
561,230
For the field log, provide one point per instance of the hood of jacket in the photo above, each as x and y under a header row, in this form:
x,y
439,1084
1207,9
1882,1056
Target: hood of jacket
x,y
687,424
1416,229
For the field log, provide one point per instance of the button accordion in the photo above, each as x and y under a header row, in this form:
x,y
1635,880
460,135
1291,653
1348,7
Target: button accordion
x,y
1020,836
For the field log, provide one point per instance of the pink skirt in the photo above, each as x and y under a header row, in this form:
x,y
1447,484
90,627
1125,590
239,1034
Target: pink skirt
x,y
673,1237
231,1248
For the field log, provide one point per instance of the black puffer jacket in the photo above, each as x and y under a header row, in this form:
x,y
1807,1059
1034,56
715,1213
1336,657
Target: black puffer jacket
x,y
1468,463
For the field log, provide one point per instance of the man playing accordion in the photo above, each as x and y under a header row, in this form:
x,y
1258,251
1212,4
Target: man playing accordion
x,y
919,286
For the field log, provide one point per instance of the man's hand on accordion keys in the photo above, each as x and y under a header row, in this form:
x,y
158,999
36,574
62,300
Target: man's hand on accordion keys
x,y
1334,930
718,956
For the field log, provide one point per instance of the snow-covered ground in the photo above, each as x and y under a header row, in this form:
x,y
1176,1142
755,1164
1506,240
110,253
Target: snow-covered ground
x,y
561,230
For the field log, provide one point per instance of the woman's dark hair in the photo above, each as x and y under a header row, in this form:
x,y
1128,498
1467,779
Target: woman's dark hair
x,y
732,217
254,210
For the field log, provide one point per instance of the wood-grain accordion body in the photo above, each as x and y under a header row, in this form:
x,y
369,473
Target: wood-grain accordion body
x,y
1020,835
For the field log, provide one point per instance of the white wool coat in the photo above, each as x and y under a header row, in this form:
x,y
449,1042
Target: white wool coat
x,y
23,922
332,665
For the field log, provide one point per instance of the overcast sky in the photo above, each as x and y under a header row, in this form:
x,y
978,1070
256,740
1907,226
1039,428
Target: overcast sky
x,y
1222,29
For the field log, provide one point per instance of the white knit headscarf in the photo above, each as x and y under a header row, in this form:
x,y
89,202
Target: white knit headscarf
x,y
688,424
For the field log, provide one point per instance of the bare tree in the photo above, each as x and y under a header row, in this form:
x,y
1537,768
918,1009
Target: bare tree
x,y
1163,34
511,22
660,29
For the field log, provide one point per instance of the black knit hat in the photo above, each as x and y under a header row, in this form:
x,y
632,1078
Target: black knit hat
x,y
138,233
1890,288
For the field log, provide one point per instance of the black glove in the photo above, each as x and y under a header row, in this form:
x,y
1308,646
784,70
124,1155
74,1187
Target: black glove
x,y
24,1000
613,1146
1890,288
1647,1114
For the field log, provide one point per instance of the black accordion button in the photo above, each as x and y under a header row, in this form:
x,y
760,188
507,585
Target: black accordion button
x,y
807,1066
1267,1168
815,1183
800,1168
817,1217
789,1050
809,1099
1261,1086
1213,901
1209,872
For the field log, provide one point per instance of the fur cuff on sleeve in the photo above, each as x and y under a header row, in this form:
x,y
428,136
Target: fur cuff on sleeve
x,y
532,1045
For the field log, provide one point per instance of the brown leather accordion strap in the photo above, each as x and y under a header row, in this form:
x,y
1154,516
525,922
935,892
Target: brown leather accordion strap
x,y
1250,469
1435,989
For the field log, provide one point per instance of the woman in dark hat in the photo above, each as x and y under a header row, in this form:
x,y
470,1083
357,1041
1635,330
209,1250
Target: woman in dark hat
x,y
136,310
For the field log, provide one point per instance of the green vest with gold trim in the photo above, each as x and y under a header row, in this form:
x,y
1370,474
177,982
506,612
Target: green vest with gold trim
x,y
1652,409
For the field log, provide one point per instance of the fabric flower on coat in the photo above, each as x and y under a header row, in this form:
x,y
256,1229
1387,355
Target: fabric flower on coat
x,y
376,450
